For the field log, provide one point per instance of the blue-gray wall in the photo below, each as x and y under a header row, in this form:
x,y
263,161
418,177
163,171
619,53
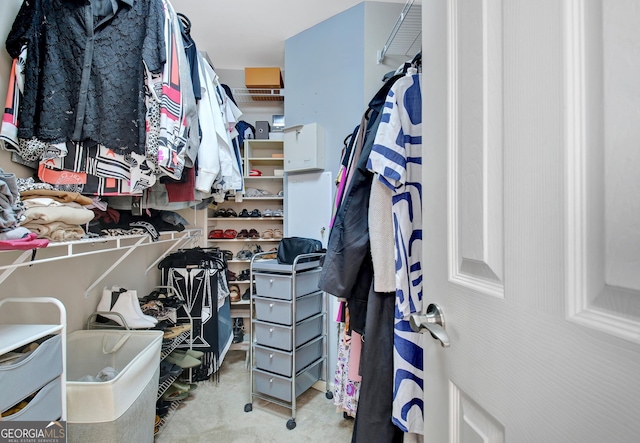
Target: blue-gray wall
x,y
331,75
325,79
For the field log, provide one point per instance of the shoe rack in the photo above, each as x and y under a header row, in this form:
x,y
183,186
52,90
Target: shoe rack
x,y
252,221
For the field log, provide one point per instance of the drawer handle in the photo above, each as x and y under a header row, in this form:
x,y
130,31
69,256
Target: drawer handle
x,y
270,280
270,329
270,305
271,380
270,355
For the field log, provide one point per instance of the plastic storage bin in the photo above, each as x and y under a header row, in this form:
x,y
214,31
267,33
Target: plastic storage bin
x,y
279,362
280,387
280,311
281,337
279,286
120,409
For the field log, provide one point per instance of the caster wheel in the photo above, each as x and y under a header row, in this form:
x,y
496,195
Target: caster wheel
x,y
248,407
291,424
329,395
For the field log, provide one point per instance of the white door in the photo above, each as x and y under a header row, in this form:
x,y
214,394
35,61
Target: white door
x,y
532,219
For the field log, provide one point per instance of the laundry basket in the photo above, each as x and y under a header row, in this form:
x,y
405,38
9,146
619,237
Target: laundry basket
x,y
122,408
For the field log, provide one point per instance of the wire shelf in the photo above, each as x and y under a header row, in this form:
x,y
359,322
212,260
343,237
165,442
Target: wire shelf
x,y
247,95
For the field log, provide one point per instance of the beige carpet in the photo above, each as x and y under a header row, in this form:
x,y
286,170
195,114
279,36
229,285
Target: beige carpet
x,y
215,413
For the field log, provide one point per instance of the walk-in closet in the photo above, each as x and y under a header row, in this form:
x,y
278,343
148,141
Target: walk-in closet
x,y
382,221
169,210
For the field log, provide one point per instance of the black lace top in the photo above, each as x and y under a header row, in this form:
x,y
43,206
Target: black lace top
x,y
84,76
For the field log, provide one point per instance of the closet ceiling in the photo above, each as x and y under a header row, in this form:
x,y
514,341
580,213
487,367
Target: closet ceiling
x,y
241,33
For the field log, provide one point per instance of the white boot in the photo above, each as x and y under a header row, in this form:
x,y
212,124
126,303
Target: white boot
x,y
115,302
133,296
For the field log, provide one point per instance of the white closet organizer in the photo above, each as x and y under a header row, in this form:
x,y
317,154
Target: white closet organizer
x,y
288,331
42,371
125,243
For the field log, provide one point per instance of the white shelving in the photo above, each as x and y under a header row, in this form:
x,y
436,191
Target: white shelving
x,y
248,95
405,37
13,260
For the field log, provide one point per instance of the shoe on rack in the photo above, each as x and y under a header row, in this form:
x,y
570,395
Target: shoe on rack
x,y
174,394
234,293
194,353
168,370
247,294
183,360
215,233
184,387
126,304
174,331
244,275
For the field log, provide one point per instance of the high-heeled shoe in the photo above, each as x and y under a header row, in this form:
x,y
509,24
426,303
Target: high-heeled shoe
x,y
123,303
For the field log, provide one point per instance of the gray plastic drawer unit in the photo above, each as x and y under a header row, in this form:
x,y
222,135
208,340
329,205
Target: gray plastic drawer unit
x,y
46,405
279,362
280,285
280,387
280,311
288,331
40,366
281,337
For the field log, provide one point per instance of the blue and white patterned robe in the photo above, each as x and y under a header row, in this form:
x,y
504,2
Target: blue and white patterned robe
x,y
396,158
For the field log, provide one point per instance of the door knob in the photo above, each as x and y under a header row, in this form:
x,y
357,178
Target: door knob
x,y
432,321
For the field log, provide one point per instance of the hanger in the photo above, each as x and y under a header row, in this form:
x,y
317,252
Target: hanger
x,y
417,60
186,23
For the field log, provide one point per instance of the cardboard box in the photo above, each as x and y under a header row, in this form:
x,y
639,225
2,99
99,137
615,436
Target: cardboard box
x,y
263,78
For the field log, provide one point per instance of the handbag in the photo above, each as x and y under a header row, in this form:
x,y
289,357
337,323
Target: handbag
x,y
291,247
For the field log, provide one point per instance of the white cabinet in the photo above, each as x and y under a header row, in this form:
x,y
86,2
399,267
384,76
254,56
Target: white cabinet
x,y
304,148
39,376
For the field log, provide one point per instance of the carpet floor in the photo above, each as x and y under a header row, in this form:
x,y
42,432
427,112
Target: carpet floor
x,y
214,412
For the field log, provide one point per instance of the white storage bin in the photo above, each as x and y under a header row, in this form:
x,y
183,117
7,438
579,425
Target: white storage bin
x,y
280,387
279,362
39,366
281,337
121,409
281,286
280,311
46,405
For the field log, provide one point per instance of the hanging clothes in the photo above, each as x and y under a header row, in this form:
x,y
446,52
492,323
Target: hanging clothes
x,y
347,271
218,168
396,157
84,59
